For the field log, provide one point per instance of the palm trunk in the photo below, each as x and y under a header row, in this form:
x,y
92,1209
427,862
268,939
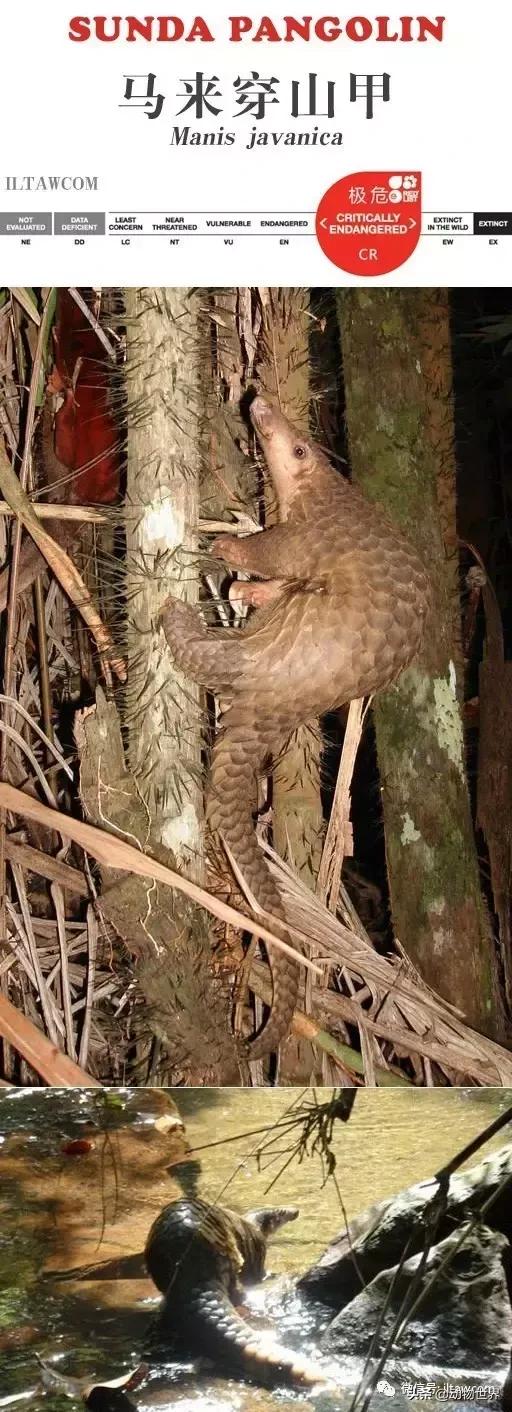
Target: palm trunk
x,y
283,373
164,452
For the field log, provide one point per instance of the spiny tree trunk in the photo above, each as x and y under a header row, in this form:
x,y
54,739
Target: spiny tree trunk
x,y
230,483
297,817
264,334
185,1001
166,342
164,452
397,369
283,373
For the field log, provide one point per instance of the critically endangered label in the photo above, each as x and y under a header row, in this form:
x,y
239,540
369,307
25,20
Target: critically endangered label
x,y
368,223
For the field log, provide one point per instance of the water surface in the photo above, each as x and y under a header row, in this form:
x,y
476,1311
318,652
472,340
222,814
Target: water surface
x,y
66,1208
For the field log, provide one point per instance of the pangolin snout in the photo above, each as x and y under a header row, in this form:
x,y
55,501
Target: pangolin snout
x,y
271,1218
262,417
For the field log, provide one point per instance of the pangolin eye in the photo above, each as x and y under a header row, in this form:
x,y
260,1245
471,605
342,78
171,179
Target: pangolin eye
x,y
299,451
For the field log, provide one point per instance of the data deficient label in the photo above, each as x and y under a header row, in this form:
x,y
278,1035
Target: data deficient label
x,y
79,223
368,223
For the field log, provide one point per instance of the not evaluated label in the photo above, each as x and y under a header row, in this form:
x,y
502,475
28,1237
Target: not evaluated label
x,y
368,223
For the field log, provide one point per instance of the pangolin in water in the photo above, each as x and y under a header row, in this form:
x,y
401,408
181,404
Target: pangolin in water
x,y
338,615
200,1256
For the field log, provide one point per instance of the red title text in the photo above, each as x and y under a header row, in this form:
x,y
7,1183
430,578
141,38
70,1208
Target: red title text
x,y
168,29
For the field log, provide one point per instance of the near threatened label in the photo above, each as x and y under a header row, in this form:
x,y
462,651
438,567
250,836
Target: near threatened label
x,y
368,223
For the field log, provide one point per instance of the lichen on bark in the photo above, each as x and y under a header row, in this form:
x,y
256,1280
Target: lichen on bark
x,y
398,385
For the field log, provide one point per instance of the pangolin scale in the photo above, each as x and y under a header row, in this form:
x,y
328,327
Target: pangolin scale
x,y
339,612
199,1256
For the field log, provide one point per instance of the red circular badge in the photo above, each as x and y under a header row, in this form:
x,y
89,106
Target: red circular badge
x,y
370,222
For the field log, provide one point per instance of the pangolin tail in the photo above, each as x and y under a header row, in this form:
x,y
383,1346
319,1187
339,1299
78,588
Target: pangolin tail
x,y
222,1334
239,758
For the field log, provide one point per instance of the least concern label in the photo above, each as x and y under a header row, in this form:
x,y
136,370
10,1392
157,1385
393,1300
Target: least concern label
x,y
79,223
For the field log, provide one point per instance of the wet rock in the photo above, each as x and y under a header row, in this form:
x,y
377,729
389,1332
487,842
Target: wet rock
x,y
376,1240
507,1390
107,1399
464,1321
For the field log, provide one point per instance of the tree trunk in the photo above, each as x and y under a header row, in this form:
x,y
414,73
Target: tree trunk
x,y
164,357
283,373
264,334
189,1003
397,369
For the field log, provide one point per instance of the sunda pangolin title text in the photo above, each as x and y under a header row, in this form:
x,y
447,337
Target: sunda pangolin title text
x,y
258,29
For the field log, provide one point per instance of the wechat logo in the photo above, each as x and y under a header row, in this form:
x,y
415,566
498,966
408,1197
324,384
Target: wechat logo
x,y
385,1388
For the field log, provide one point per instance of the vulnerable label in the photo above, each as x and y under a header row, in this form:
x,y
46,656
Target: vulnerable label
x,y
368,223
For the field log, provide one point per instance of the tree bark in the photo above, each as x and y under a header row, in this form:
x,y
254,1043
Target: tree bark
x,y
283,369
283,373
186,1002
164,357
397,369
166,342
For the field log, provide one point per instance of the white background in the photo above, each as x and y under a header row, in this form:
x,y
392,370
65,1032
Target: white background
x,y
449,116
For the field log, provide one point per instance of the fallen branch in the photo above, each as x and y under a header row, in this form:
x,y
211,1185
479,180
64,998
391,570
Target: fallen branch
x,y
386,995
61,565
33,860
114,852
338,839
39,1052
83,513
307,1028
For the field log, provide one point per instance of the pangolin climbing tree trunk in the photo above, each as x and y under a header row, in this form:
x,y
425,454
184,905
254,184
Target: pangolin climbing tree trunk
x,y
398,384
163,383
263,334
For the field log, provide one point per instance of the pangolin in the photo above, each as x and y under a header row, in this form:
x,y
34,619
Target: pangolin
x,y
200,1256
339,613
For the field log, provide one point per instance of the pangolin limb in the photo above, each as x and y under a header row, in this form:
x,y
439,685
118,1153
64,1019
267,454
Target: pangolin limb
x,y
343,614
